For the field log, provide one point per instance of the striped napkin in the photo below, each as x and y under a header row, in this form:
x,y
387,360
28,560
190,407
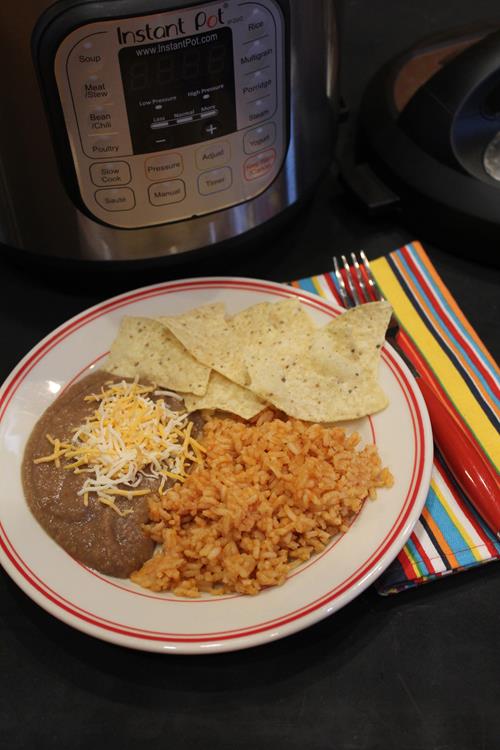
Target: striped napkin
x,y
449,536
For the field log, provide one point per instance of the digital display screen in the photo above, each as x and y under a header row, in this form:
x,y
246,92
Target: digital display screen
x,y
179,91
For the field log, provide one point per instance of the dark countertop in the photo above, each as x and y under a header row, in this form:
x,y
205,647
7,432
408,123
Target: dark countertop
x,y
419,670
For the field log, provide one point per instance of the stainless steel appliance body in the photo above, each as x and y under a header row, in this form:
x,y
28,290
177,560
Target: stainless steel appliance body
x,y
139,129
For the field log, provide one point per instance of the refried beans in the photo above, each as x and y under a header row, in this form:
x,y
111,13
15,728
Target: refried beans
x,y
93,534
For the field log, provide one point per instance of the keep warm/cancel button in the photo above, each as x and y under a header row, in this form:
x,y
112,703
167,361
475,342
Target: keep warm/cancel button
x,y
163,193
259,164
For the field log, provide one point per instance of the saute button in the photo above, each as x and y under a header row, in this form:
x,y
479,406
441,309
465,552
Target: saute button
x,y
163,193
259,138
110,173
215,181
116,199
164,166
213,155
259,165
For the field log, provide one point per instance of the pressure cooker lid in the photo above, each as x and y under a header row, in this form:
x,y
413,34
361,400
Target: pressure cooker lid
x,y
428,140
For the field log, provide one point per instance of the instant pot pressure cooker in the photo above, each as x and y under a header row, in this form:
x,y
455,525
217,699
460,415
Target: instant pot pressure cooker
x,y
134,129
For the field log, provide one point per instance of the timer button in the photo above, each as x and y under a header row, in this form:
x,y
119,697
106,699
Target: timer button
x,y
215,181
259,138
109,173
259,165
164,166
164,193
116,199
213,155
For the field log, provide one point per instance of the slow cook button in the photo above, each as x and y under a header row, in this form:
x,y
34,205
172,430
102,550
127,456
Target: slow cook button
x,y
164,166
163,193
110,173
215,181
116,199
259,138
213,155
259,165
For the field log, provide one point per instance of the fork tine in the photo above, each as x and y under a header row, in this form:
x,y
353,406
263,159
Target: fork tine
x,y
371,280
352,286
346,300
359,277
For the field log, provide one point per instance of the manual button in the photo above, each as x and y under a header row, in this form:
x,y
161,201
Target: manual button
x,y
110,173
117,199
213,155
215,181
163,193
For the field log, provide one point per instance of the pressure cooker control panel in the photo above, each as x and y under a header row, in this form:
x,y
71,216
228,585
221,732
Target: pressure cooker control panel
x,y
176,114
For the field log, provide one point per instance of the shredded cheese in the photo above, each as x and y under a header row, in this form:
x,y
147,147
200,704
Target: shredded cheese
x,y
128,437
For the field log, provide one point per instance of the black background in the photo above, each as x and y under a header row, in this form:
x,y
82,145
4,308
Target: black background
x,y
417,671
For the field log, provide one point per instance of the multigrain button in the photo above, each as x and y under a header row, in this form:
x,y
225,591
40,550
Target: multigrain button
x,y
259,138
116,199
215,181
164,193
259,164
110,173
213,155
164,166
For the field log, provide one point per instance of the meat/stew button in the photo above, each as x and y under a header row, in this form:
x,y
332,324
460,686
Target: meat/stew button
x,y
259,164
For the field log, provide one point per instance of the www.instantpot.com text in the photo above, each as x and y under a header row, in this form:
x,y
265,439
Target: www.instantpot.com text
x,y
192,41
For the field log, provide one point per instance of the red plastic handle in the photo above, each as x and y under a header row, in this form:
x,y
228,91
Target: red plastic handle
x,y
469,466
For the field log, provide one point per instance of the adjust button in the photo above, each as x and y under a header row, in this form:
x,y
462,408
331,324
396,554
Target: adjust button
x,y
215,181
213,155
259,138
116,199
164,166
259,164
110,173
163,193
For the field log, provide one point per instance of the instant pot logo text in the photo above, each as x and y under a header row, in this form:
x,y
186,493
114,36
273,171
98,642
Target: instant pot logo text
x,y
148,33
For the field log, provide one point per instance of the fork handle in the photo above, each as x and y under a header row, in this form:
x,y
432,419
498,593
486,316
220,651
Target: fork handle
x,y
469,466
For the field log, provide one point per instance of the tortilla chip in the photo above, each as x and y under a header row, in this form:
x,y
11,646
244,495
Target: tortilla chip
x,y
264,323
359,334
207,335
227,396
287,378
145,348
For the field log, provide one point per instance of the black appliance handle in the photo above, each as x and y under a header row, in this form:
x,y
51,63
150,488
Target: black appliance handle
x,y
455,114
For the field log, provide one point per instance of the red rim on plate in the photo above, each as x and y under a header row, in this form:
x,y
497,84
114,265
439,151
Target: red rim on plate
x,y
256,632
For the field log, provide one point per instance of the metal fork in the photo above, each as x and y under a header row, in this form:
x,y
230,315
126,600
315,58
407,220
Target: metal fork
x,y
469,466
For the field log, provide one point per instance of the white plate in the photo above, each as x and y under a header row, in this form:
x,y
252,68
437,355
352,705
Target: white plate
x,y
117,610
